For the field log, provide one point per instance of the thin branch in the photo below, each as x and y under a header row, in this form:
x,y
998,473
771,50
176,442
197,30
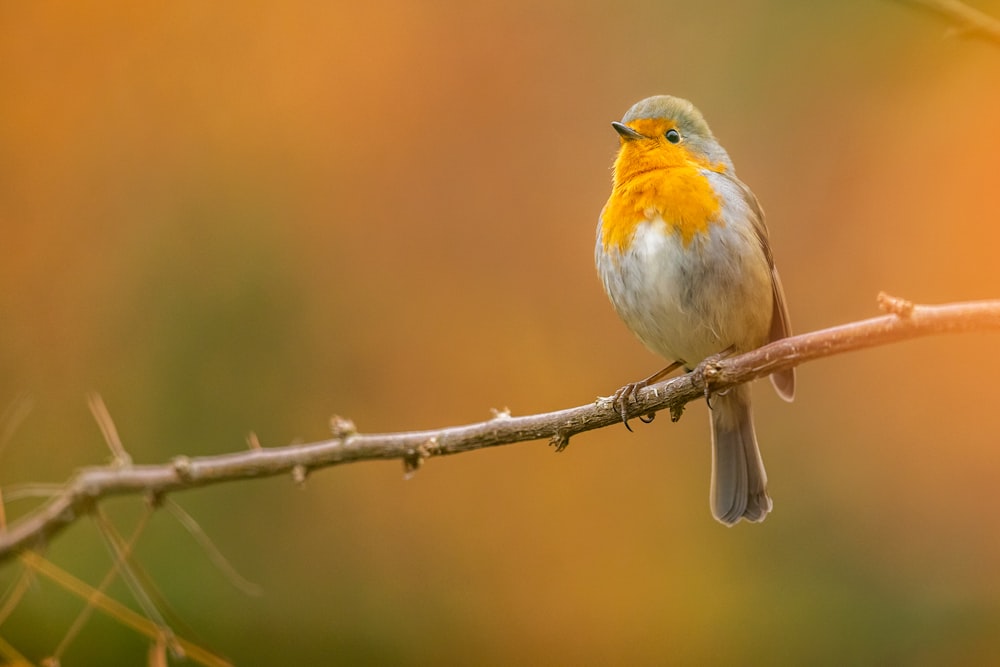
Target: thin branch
x,y
965,20
197,532
90,485
121,554
88,609
109,430
10,654
12,597
112,607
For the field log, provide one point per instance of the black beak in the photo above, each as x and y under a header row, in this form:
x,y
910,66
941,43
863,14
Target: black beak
x,y
626,132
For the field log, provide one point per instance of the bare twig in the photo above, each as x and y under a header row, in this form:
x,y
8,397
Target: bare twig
x,y
90,485
120,612
85,613
11,655
121,552
221,562
965,20
12,597
108,429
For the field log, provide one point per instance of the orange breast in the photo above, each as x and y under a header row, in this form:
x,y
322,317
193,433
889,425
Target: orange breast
x,y
655,179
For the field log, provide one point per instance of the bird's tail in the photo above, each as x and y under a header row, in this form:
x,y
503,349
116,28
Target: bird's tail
x,y
739,483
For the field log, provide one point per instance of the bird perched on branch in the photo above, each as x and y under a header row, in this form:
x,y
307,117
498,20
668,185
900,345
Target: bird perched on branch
x,y
683,253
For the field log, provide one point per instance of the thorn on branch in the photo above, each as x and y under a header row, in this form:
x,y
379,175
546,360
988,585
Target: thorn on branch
x,y
342,427
411,464
253,442
183,468
559,440
894,305
299,475
415,457
154,499
500,414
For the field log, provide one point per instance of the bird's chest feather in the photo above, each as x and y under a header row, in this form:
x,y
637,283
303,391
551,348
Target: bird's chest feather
x,y
682,196
688,295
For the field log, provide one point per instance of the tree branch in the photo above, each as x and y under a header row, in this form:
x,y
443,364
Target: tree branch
x,y
966,20
88,486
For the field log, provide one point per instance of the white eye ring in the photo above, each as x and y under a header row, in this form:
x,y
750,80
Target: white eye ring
x,y
673,136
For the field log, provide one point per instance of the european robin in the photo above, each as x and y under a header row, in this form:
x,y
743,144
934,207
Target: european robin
x,y
683,253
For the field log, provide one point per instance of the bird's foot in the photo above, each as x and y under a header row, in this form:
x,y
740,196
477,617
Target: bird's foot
x,y
621,398
709,369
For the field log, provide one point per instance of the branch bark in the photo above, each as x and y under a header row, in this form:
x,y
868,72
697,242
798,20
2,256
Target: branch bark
x,y
89,486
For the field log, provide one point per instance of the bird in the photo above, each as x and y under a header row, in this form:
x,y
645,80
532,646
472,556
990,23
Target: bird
x,y
684,257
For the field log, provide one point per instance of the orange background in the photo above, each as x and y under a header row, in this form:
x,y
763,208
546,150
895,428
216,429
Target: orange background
x,y
241,216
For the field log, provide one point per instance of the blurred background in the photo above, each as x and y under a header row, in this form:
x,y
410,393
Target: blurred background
x,y
248,216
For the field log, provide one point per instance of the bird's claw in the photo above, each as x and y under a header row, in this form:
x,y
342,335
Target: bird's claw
x,y
710,369
621,398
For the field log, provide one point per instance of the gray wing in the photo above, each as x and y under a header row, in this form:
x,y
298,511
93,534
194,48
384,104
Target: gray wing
x,y
783,381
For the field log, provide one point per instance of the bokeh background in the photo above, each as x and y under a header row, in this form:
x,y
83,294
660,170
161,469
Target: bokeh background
x,y
248,216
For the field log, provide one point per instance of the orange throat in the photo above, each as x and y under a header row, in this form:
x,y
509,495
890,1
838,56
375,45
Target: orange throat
x,y
650,183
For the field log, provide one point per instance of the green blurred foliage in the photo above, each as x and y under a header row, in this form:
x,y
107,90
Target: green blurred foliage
x,y
236,217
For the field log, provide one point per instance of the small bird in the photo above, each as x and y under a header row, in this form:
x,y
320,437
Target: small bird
x,y
683,253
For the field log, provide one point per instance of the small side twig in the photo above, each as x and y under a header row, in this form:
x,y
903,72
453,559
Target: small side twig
x,y
109,430
84,615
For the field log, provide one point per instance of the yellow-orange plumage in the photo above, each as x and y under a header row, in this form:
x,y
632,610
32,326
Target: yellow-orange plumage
x,y
658,179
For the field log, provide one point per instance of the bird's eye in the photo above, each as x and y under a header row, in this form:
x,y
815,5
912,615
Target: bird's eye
x,y
673,136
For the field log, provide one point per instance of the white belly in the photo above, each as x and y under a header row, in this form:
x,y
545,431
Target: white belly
x,y
686,303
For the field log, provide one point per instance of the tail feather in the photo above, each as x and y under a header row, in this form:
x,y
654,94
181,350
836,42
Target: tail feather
x,y
739,483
